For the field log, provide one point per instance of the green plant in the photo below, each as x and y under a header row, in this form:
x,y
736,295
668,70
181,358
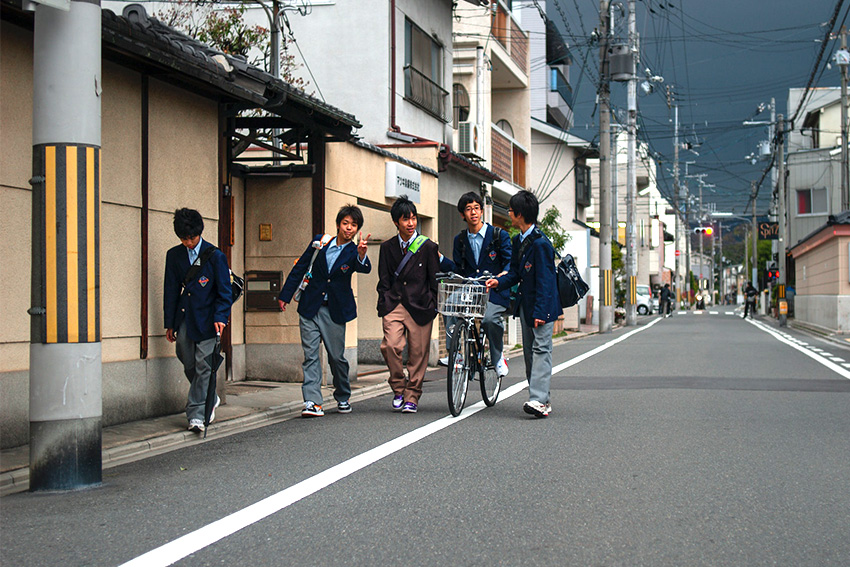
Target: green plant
x,y
550,226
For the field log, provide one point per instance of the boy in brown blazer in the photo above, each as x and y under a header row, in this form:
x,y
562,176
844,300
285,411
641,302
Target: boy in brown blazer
x,y
407,301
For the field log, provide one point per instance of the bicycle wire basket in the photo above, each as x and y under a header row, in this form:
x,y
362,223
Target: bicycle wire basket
x,y
462,299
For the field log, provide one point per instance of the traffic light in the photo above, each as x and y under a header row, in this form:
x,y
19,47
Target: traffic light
x,y
772,273
705,230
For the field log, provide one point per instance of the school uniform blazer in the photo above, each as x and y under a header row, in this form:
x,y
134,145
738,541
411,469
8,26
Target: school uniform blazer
x,y
207,297
488,261
335,281
537,293
416,285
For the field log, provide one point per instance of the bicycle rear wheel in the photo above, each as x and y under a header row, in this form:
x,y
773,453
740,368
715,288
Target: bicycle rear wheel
x,y
491,382
457,375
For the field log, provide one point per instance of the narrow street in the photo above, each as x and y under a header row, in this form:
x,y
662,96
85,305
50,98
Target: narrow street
x,y
700,439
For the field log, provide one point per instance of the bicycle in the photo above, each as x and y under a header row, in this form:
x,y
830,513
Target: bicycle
x,y
469,348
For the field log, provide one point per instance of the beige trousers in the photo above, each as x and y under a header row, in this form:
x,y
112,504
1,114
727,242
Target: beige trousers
x,y
395,325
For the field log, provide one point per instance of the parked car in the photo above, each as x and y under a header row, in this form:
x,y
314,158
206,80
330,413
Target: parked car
x,y
644,299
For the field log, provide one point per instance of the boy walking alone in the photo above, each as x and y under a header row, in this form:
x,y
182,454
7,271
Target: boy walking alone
x,y
407,303
538,307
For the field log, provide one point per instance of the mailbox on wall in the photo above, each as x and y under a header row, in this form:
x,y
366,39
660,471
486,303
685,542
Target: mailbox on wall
x,y
261,290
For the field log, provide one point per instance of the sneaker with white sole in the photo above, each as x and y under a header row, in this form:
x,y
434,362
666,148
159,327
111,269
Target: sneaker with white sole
x,y
196,425
343,407
398,401
312,409
537,409
408,407
502,367
443,361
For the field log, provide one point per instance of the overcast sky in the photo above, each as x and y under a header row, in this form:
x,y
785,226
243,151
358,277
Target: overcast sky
x,y
722,58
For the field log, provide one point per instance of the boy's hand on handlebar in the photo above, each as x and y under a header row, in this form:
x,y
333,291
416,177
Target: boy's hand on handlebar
x,y
492,283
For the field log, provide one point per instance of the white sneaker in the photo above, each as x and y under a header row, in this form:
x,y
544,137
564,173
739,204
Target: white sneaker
x,y
502,367
444,361
196,425
537,409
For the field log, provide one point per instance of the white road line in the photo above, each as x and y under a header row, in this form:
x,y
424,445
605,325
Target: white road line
x,y
826,354
836,359
807,351
815,349
730,313
192,542
845,364
713,312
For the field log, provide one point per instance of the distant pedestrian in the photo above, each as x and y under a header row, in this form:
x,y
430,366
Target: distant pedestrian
x,y
666,300
538,306
407,303
750,296
196,305
326,305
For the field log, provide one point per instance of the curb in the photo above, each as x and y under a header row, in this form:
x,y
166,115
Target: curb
x,y
17,480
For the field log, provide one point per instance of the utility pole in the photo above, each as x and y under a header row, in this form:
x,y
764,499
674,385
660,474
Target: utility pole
x,y
676,189
631,174
845,192
754,266
274,57
722,268
606,284
780,154
65,408
615,174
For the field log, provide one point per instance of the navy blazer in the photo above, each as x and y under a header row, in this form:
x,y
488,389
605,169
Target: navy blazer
x,y
488,260
336,282
538,286
207,298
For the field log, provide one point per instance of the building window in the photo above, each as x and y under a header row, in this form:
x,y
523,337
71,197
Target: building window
x,y
423,71
811,201
505,127
460,105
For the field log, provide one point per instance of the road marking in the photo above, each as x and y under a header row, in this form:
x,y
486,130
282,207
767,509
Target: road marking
x,y
807,351
197,540
730,313
713,312
845,364
815,349
826,354
836,359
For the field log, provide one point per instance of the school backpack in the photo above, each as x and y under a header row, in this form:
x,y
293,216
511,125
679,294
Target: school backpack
x,y
571,287
495,245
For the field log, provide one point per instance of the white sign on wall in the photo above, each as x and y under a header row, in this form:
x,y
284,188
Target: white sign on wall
x,y
402,180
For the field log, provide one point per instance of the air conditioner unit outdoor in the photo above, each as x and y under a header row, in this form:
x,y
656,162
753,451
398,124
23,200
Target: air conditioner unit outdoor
x,y
471,140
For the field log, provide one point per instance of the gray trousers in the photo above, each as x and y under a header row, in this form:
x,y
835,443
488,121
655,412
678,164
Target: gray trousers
x,y
323,329
493,326
537,351
197,369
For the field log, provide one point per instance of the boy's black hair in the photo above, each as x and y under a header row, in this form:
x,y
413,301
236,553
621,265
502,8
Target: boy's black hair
x,y
188,223
467,198
403,207
350,211
525,204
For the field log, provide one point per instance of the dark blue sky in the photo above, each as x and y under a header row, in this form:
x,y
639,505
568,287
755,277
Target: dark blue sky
x,y
722,58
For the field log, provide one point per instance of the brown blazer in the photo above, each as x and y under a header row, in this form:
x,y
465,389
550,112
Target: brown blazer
x,y
416,286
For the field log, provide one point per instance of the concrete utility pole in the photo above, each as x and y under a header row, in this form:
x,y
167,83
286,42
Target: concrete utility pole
x,y
780,155
631,174
676,282
845,163
65,346
606,283
754,266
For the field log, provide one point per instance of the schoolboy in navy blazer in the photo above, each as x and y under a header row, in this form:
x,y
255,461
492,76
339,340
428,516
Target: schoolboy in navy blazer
x,y
334,282
195,315
493,257
326,305
533,267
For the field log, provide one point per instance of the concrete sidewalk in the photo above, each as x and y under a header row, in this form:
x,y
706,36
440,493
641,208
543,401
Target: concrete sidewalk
x,y
250,404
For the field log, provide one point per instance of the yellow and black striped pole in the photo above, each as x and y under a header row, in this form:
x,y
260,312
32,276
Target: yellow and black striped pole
x,y
65,339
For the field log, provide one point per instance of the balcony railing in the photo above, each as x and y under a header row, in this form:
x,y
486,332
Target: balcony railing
x,y
508,160
425,93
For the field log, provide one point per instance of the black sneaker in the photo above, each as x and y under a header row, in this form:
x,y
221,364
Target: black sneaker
x,y
343,407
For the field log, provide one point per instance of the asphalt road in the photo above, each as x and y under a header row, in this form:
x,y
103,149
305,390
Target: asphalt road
x,y
693,440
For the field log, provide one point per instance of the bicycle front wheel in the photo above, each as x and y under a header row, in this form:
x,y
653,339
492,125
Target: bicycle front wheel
x,y
457,375
491,382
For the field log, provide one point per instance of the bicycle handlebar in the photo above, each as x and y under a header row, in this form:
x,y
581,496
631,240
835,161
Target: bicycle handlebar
x,y
454,276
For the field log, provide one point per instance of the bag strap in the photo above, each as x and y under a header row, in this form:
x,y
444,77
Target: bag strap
x,y
199,263
526,244
324,241
412,249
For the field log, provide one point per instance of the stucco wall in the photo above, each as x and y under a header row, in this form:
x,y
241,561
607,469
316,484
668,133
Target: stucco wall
x,y
183,172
